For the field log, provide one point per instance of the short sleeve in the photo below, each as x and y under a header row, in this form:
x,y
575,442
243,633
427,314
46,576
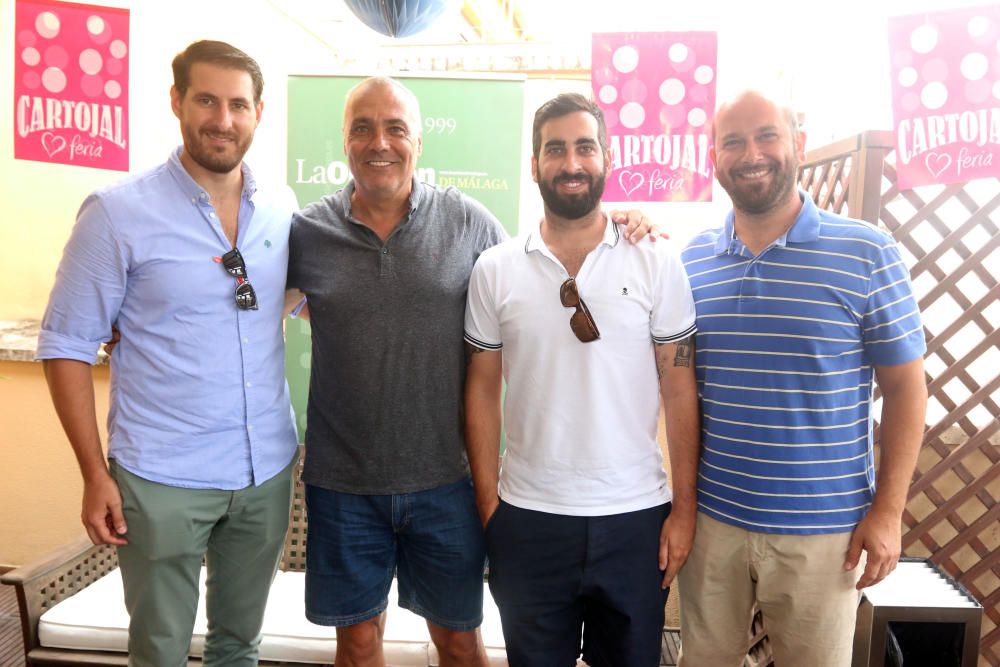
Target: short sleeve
x,y
893,332
673,316
482,325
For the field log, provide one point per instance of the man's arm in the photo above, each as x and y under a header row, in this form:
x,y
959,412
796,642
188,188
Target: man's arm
x,y
483,382
675,368
904,407
72,388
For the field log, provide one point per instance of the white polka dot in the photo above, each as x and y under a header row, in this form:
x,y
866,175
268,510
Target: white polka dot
x,y
30,56
934,95
907,77
95,25
974,66
678,53
608,94
703,74
47,25
91,61
113,89
632,115
625,59
924,39
697,117
118,49
672,91
978,25
54,80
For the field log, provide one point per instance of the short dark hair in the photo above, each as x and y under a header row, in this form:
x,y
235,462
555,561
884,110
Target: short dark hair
x,y
215,53
563,105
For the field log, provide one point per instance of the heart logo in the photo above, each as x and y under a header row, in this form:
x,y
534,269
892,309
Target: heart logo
x,y
941,161
630,181
52,143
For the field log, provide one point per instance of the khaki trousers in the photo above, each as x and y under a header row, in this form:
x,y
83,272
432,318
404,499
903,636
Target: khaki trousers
x,y
809,603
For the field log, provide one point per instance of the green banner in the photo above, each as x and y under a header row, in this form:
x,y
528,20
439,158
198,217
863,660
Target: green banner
x,y
471,140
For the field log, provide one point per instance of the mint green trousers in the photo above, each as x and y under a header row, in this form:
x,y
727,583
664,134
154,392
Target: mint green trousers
x,y
239,534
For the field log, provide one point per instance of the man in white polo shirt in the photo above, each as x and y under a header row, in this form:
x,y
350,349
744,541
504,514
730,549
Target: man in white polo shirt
x,y
580,533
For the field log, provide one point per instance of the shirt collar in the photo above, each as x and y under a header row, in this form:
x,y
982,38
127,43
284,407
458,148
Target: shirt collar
x,y
416,196
804,229
194,191
610,238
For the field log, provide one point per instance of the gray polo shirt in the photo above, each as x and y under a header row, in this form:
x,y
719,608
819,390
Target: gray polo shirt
x,y
388,364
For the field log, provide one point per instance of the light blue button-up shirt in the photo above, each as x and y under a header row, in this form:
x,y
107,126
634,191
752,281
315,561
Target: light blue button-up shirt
x,y
198,391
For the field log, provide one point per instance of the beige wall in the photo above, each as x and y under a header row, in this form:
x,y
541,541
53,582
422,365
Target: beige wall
x,y
40,493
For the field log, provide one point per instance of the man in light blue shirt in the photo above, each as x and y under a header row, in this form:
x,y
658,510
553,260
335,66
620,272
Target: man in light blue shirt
x,y
189,261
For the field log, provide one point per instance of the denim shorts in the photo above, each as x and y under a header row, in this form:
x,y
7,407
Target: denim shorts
x,y
432,540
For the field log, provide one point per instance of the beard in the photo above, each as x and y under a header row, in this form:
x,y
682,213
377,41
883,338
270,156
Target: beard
x,y
760,198
575,206
220,160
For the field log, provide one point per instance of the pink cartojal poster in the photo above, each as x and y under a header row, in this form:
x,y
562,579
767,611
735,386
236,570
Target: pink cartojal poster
x,y
946,95
71,84
657,91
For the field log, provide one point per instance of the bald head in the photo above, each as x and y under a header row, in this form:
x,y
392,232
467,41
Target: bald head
x,y
382,84
753,99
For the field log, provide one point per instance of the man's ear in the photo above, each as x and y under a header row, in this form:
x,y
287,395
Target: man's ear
x,y
260,110
175,101
800,145
534,168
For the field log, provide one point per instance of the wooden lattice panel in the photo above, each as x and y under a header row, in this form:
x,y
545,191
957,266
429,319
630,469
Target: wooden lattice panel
x,y
950,240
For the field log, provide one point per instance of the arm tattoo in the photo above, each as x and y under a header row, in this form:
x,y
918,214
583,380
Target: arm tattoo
x,y
683,355
471,350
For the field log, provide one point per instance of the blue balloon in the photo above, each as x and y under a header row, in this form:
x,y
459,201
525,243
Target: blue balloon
x,y
397,18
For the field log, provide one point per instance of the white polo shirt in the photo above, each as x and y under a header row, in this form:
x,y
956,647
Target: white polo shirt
x,y
580,417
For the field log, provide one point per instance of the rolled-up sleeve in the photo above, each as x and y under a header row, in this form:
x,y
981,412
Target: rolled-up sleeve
x,y
89,288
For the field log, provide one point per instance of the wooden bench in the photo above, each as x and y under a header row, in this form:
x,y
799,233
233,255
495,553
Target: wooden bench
x,y
58,576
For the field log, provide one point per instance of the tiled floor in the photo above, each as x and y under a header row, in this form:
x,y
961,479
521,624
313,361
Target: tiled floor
x,y
12,653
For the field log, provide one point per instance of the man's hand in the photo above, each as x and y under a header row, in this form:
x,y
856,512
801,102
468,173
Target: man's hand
x,y
109,345
676,538
879,534
487,508
102,511
637,226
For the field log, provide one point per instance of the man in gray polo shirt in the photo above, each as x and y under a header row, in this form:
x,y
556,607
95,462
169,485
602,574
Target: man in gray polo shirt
x,y
385,264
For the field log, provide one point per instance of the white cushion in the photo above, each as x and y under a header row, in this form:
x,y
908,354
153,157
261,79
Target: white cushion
x,y
95,619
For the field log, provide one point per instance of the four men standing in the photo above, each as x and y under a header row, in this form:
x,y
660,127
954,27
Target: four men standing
x,y
800,307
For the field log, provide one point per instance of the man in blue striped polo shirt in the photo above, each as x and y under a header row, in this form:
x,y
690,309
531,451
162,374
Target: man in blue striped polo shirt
x,y
799,312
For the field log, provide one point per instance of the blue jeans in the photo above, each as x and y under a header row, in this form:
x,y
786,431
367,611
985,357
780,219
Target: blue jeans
x,y
431,539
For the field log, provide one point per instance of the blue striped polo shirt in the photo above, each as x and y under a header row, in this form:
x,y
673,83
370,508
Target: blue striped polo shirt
x,y
785,350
